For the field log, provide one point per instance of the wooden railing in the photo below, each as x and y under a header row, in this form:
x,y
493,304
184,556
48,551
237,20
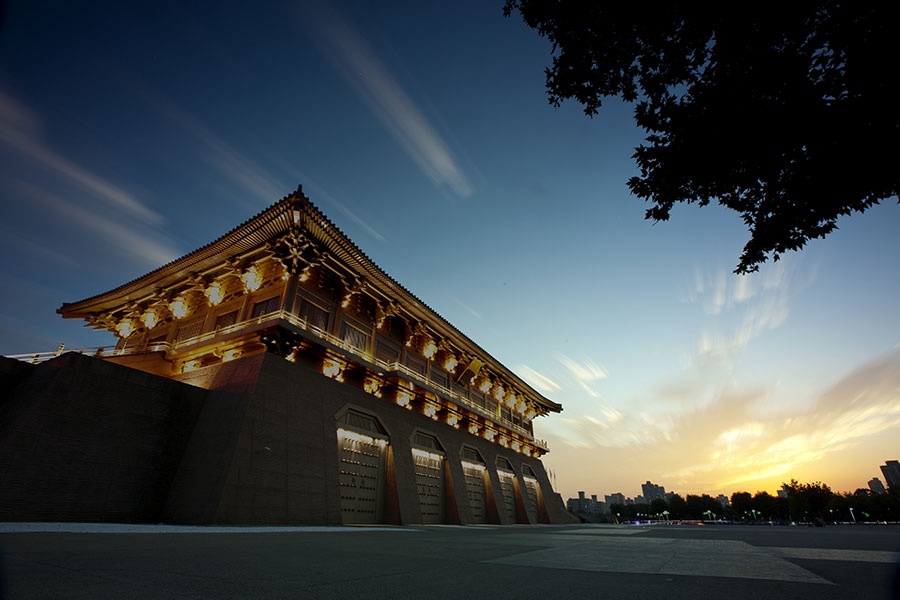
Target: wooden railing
x,y
394,367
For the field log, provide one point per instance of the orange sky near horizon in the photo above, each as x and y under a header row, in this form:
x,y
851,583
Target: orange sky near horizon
x,y
841,438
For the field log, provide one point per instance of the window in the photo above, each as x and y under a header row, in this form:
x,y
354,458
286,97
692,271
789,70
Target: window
x,y
226,320
386,352
415,363
439,376
266,306
355,337
315,316
426,441
471,454
189,329
363,422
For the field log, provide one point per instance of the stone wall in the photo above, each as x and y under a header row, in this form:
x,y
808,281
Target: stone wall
x,y
82,439
86,440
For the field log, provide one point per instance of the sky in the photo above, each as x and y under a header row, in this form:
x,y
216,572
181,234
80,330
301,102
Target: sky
x,y
131,134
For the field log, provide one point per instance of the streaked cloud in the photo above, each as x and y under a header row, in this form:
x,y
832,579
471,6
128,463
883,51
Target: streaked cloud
x,y
20,132
469,309
856,410
224,158
351,215
722,290
606,427
584,373
722,443
147,246
390,103
540,382
741,308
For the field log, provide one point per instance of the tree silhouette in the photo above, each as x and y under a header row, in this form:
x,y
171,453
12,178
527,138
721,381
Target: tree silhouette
x,y
808,500
786,116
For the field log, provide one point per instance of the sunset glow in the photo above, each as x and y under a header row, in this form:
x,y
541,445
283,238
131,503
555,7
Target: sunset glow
x,y
438,155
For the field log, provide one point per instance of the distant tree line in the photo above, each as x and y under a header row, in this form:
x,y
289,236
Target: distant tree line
x,y
805,503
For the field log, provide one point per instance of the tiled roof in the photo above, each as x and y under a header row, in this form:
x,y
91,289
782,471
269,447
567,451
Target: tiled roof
x,y
257,231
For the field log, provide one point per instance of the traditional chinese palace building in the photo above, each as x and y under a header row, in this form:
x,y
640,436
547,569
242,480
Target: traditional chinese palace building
x,y
273,376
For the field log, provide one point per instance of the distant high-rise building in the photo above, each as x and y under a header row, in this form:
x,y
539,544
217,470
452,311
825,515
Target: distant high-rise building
x,y
617,498
585,505
891,470
653,492
723,500
876,486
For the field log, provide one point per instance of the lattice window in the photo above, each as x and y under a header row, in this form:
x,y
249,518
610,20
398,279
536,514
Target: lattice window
x,y
189,329
386,352
471,454
265,307
226,320
363,422
439,376
315,316
355,337
416,364
427,441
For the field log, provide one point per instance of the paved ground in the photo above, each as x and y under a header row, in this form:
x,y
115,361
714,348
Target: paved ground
x,y
547,562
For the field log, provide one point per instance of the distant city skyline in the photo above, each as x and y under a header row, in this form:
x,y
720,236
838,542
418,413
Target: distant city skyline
x,y
131,135
653,490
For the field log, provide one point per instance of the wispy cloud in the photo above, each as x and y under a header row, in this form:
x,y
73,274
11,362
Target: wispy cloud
x,y
469,309
20,131
146,246
390,103
351,215
225,159
722,290
585,373
537,380
741,308
608,427
856,410
724,447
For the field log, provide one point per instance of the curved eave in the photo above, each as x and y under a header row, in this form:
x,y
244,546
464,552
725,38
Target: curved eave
x,y
251,234
254,234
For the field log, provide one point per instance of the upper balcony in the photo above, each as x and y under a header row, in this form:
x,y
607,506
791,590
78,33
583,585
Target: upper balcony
x,y
440,386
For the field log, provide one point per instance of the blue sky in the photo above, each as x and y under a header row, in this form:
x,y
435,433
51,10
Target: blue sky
x,y
130,135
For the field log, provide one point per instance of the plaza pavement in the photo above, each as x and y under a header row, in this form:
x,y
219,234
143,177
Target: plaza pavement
x,y
436,562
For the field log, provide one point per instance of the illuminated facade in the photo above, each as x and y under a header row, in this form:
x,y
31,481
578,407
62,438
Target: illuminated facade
x,y
359,403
